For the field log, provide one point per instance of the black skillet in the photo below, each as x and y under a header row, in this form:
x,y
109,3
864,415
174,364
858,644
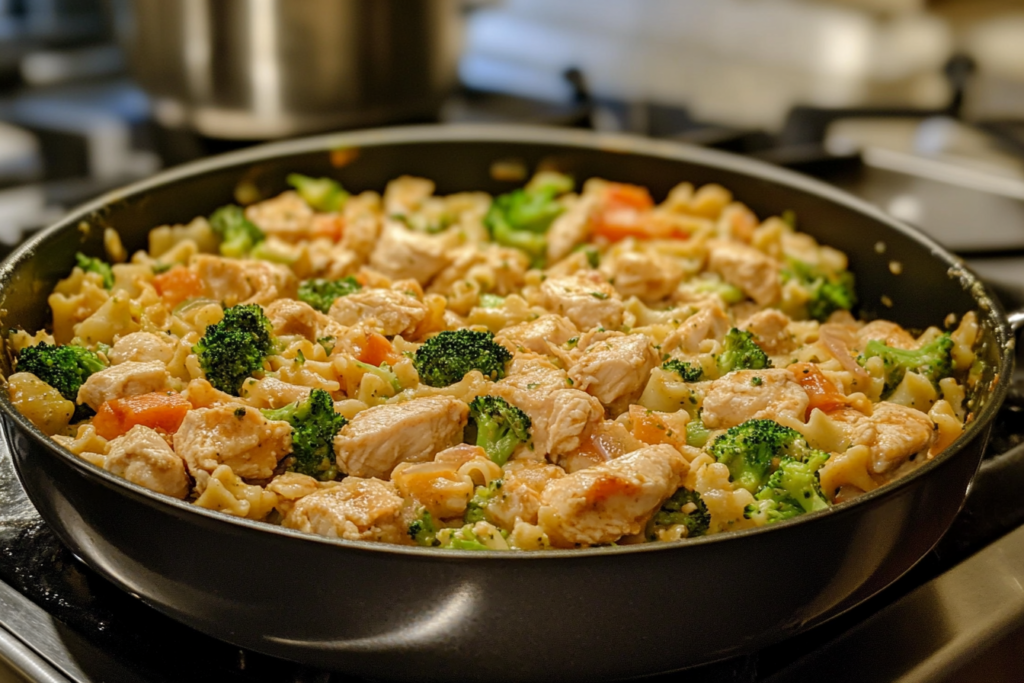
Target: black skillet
x,y
417,614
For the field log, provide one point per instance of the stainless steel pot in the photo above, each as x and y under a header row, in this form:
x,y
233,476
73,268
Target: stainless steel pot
x,y
261,69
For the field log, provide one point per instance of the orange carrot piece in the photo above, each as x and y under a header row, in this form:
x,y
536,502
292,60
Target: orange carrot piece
x,y
651,429
377,350
330,226
822,393
158,410
177,285
626,212
623,194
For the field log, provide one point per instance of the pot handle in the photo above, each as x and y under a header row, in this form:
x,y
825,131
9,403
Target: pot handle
x,y
1016,319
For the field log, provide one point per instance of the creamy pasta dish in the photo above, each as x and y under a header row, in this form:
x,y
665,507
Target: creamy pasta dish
x,y
555,367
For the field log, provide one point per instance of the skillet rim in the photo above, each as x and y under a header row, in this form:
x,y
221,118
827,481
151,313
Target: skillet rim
x,y
987,305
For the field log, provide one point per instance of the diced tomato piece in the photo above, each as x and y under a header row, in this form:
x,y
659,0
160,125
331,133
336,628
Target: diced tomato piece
x,y
178,284
822,393
158,410
377,350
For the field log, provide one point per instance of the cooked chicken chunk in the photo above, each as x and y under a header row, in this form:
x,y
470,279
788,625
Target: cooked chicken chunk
x,y
482,267
585,299
615,370
361,224
142,347
571,228
770,328
130,378
603,503
647,276
708,323
538,335
288,316
519,496
402,253
240,281
902,431
560,414
286,216
270,392
756,273
406,194
143,457
234,435
384,310
893,432
355,509
888,333
734,399
379,438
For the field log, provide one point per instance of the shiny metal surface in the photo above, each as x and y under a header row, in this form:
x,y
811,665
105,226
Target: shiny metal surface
x,y
1016,319
260,69
940,632
18,661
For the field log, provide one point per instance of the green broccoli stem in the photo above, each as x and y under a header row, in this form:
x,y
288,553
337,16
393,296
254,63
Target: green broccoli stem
x,y
323,194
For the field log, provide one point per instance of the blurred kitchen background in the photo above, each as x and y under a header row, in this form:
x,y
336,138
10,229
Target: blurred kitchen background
x,y
916,105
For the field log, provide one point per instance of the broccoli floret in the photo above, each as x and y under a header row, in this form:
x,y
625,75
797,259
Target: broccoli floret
x,y
750,449
237,233
320,294
94,265
236,347
933,360
65,368
464,539
741,352
445,358
521,218
500,426
690,372
829,292
793,489
482,497
684,507
314,425
697,434
323,194
423,531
